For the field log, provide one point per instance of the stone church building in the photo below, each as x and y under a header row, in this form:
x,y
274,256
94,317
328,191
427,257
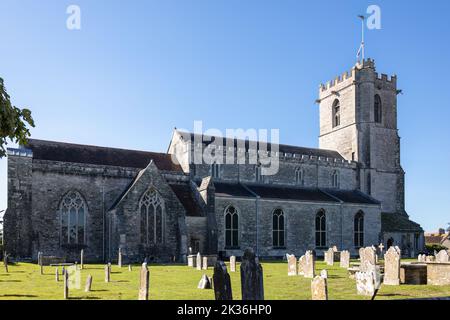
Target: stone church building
x,y
350,192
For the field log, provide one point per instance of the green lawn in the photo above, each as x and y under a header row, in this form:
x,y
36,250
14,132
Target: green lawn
x,y
180,282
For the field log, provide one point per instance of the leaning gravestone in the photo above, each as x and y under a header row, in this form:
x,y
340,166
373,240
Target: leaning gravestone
x,y
144,282
310,265
345,259
392,266
251,277
301,266
204,283
222,282
199,261
87,288
292,265
205,263
442,257
319,290
233,264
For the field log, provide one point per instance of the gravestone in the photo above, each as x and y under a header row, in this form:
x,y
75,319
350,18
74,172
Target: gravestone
x,y
130,268
222,282
87,288
430,259
233,264
57,275
324,274
368,259
205,263
421,258
442,257
365,283
63,270
199,261
251,277
107,273
191,261
329,256
81,259
292,265
5,261
301,266
119,259
144,282
381,247
204,283
66,285
319,290
310,265
345,259
392,266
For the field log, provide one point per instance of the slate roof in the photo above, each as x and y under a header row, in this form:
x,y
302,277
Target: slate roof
x,y
291,193
185,195
394,222
283,148
77,153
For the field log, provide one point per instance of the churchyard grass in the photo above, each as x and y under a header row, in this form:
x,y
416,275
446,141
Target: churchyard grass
x,y
174,282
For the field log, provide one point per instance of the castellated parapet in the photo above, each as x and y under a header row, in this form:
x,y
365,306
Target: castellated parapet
x,y
358,72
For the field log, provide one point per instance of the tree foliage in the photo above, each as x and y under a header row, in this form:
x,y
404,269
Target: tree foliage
x,y
13,121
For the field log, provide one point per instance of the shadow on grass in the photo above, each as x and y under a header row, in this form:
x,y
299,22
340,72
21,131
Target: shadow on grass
x,y
101,290
10,280
18,295
83,298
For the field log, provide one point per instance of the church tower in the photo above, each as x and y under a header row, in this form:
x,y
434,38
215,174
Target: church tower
x,y
358,118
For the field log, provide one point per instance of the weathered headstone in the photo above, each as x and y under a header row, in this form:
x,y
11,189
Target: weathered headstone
x,y
204,283
87,288
119,259
251,277
66,285
222,282
301,266
292,265
81,259
130,268
107,273
368,258
319,290
329,256
324,274
442,256
233,264
63,270
310,265
429,258
144,282
199,261
365,283
392,266
191,261
345,259
57,275
5,261
205,263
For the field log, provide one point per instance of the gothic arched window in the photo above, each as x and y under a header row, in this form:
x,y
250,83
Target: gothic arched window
x,y
73,211
151,208
336,113
278,228
321,229
299,176
335,179
359,230
377,109
231,227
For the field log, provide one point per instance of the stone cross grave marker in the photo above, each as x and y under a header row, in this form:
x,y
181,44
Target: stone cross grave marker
x,y
442,256
310,265
345,259
381,247
204,283
222,282
392,266
144,282
319,290
292,265
233,264
205,263
199,261
251,277
88,286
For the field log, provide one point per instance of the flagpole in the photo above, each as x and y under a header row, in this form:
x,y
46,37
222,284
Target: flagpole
x,y
362,46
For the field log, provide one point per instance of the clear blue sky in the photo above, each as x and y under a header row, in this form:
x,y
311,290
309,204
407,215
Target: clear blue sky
x,y
137,69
